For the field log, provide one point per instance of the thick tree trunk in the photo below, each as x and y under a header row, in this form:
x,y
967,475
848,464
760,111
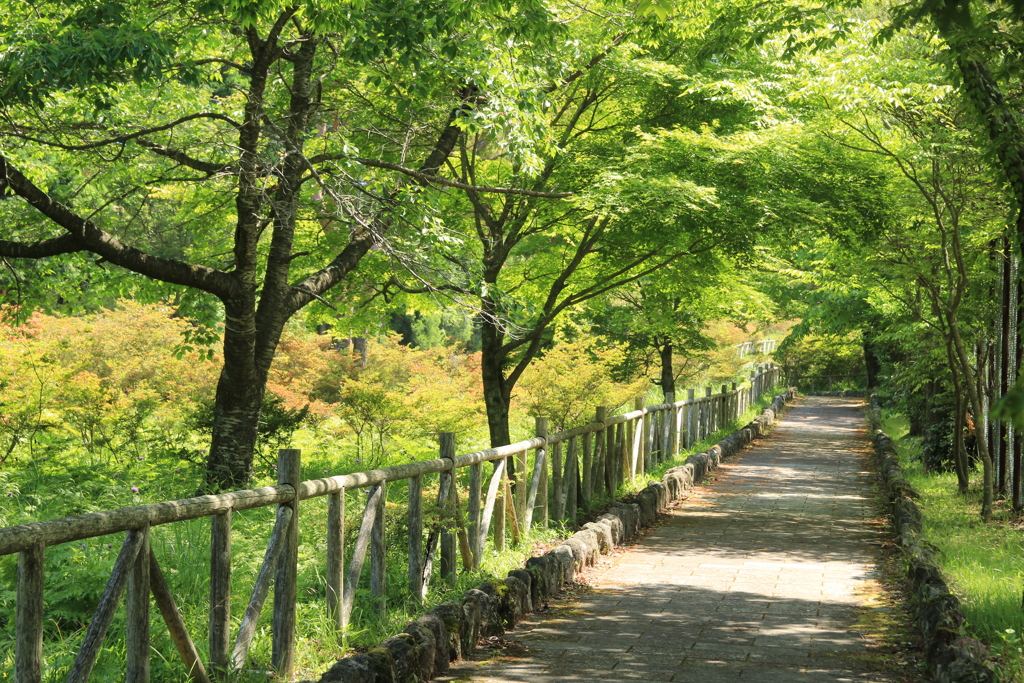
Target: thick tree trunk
x,y
254,322
236,423
496,393
238,402
668,376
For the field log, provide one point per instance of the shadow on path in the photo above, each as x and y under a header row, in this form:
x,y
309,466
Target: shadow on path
x,y
758,577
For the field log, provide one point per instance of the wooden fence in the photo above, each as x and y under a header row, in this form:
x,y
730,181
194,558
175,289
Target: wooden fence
x,y
570,469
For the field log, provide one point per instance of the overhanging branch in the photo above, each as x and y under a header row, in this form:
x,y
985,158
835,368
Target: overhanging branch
x,y
84,235
65,244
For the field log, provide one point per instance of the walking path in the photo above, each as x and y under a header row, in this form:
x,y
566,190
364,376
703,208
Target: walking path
x,y
757,577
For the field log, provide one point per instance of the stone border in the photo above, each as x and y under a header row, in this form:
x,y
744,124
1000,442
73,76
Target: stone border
x,y
951,656
427,646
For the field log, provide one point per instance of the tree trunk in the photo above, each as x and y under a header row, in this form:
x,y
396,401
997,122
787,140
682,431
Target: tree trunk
x,y
959,420
668,376
960,464
359,350
972,381
238,402
496,393
236,423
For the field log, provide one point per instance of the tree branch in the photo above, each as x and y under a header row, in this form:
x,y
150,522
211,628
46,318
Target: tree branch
x,y
184,159
429,178
594,61
65,244
129,136
319,282
86,236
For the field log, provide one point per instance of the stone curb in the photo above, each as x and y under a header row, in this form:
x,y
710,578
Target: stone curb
x,y
450,631
951,656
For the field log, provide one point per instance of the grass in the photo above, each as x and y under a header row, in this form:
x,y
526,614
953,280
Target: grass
x,y
984,563
77,572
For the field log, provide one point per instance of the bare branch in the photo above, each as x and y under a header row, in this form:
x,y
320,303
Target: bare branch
x,y
184,159
129,136
427,178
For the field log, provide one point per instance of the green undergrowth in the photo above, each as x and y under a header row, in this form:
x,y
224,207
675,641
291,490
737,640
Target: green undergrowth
x,y
984,563
76,573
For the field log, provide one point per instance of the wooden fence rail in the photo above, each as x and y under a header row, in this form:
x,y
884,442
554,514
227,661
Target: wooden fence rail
x,y
571,469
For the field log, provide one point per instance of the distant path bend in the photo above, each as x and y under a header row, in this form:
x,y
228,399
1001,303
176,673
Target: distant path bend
x,y
761,576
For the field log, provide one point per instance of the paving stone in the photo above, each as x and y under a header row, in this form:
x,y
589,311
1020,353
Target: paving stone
x,y
756,578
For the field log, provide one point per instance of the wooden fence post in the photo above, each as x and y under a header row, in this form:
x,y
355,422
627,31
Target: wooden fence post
x,y
609,460
499,507
476,477
614,458
220,592
521,492
571,481
709,411
543,495
415,574
724,407
691,418
449,567
637,464
104,614
670,415
539,484
336,556
490,512
588,471
557,499
289,471
622,469
644,427
378,552
355,567
136,603
600,443
275,546
650,427
28,648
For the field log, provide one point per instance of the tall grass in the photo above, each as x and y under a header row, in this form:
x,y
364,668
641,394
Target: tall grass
x,y
984,563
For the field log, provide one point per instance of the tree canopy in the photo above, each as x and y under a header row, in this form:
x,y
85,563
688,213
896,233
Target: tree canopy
x,y
516,165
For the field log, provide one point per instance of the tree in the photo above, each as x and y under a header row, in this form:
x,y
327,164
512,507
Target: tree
x,y
934,259
227,153
663,318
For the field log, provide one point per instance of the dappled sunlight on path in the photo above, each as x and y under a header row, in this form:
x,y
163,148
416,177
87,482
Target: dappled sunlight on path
x,y
761,576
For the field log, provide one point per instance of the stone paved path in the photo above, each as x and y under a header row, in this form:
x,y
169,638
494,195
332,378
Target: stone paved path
x,y
757,577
